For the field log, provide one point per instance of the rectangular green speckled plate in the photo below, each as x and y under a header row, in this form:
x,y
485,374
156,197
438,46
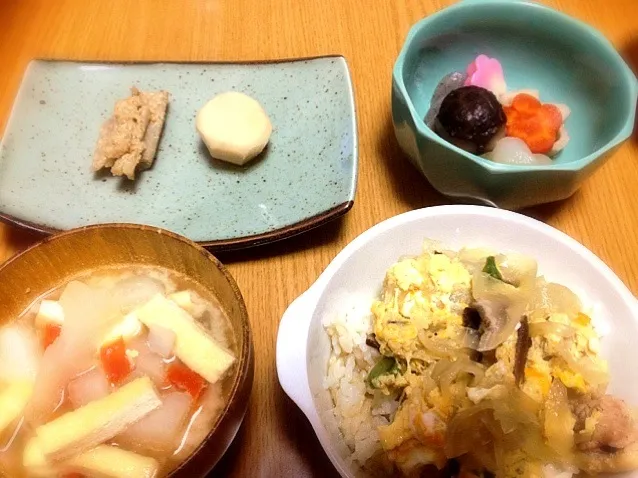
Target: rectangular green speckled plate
x,y
307,175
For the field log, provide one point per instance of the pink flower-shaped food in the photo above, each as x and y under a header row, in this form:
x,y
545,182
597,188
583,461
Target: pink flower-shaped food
x,y
487,73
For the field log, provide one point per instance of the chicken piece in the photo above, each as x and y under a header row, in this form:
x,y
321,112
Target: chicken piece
x,y
129,139
619,461
615,428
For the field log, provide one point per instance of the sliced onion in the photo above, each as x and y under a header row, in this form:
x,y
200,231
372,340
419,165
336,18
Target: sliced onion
x,y
437,347
470,338
161,340
517,269
19,353
516,412
201,422
451,373
429,384
135,291
467,429
547,328
439,369
583,366
474,258
147,363
487,287
90,386
558,420
161,430
89,313
554,298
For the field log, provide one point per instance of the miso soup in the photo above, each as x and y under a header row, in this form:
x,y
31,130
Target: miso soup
x,y
118,373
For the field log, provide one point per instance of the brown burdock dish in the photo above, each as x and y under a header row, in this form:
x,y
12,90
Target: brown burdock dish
x,y
129,139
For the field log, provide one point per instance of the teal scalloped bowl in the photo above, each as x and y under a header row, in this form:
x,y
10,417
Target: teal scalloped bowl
x,y
566,60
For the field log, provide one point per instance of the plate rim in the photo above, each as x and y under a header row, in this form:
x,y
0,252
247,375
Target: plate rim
x,y
142,61
220,245
228,244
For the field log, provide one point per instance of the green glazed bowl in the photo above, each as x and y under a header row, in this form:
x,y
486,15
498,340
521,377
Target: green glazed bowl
x,y
567,61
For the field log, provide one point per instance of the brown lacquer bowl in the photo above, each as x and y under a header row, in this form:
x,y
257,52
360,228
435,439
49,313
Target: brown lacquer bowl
x,y
57,259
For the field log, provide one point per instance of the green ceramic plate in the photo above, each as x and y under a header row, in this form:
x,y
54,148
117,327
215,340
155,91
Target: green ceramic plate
x,y
306,176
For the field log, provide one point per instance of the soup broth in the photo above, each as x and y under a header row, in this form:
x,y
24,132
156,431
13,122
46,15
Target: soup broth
x,y
118,373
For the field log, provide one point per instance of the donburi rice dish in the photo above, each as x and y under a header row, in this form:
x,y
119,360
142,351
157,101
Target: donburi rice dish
x,y
469,364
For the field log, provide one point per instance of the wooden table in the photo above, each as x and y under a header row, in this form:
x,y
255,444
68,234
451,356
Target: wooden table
x,y
275,439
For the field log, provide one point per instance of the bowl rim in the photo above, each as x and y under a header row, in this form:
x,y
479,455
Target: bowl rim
x,y
292,363
528,8
245,357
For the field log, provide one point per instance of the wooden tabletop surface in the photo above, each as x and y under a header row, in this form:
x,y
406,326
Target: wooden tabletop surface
x,y
275,439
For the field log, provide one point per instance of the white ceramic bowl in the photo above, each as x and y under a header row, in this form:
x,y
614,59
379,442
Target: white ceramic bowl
x,y
357,274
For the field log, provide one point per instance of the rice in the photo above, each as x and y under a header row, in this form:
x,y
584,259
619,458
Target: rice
x,y
357,415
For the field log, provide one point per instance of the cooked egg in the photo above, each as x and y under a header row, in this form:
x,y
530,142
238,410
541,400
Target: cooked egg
x,y
406,275
570,379
446,273
417,297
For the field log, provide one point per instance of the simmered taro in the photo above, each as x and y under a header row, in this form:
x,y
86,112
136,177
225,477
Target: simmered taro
x,y
448,84
470,117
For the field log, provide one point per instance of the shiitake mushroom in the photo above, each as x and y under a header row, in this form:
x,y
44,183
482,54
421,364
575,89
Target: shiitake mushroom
x,y
470,117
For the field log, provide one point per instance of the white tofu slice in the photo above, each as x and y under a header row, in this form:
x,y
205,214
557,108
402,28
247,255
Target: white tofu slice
x,y
193,345
50,312
103,460
88,426
13,399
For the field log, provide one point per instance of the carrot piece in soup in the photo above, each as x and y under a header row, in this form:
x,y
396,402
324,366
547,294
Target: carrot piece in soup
x,y
51,334
183,378
115,363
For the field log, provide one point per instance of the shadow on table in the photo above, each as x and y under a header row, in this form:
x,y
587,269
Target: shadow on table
x,y
630,54
417,192
298,435
544,212
407,182
232,455
301,436
19,239
316,237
